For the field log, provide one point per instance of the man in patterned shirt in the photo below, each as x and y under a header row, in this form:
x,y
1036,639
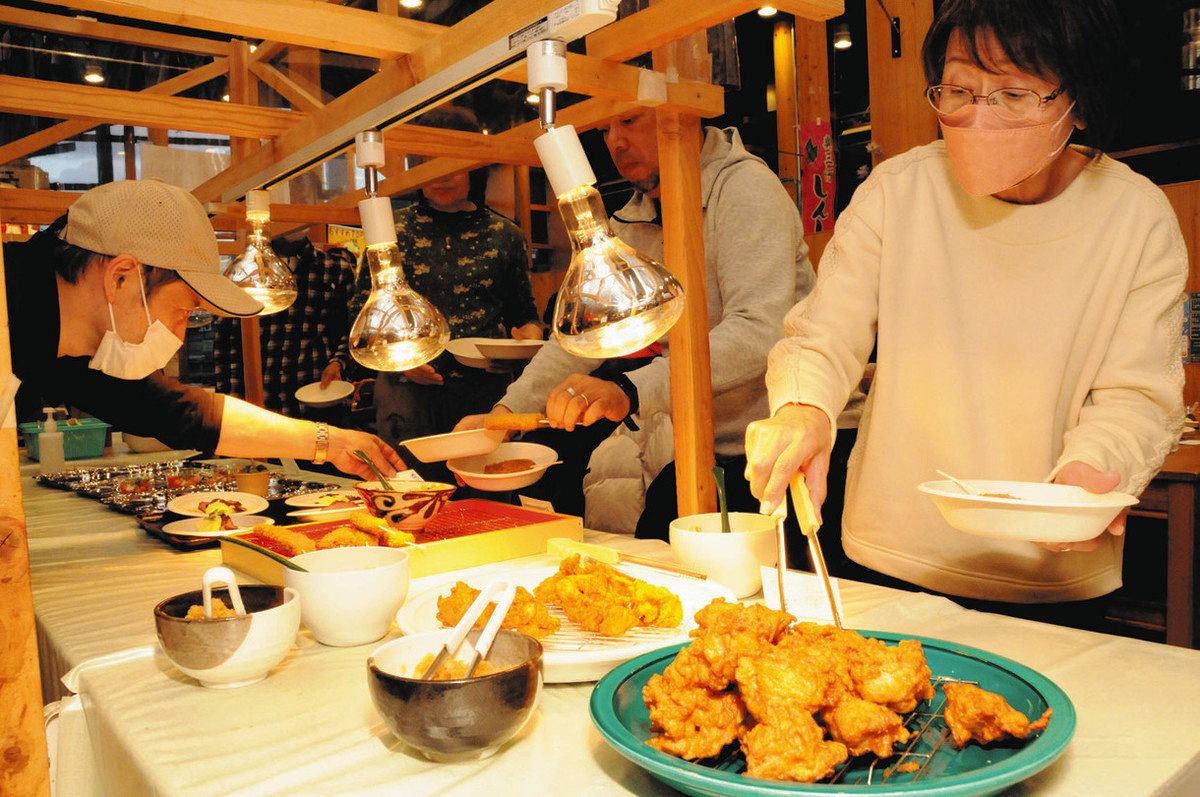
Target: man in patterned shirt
x,y
299,341
473,265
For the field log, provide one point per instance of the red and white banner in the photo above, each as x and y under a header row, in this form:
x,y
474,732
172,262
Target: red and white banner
x,y
818,176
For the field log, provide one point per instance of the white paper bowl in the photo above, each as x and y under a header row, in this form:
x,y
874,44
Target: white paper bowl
x,y
732,560
454,445
467,352
509,348
1038,512
470,469
335,392
350,595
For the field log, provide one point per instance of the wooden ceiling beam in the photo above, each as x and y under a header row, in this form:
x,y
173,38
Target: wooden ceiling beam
x,y
668,20
598,78
114,106
105,31
34,142
325,26
297,96
438,142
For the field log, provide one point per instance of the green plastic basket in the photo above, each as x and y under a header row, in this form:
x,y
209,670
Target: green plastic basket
x,y
81,440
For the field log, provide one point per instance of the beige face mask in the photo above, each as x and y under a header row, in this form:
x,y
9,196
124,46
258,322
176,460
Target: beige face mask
x,y
989,159
125,360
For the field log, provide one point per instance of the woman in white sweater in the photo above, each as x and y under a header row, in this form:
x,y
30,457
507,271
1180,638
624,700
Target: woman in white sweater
x,y
1026,297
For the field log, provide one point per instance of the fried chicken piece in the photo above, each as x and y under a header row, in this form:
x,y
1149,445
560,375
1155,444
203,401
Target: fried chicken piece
x,y
527,614
345,537
287,542
604,600
695,722
377,527
974,713
865,727
791,677
725,634
790,746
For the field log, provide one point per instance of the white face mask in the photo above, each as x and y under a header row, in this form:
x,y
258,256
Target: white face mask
x,y
125,360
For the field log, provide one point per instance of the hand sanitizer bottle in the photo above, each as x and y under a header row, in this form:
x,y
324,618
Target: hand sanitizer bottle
x,y
51,455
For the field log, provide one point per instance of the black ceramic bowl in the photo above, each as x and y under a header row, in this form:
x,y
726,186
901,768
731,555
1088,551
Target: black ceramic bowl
x,y
462,719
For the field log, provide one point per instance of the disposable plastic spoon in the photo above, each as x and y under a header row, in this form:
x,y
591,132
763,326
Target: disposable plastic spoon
x,y
961,484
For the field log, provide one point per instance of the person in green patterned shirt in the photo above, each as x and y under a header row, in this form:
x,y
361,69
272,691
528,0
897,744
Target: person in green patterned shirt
x,y
473,265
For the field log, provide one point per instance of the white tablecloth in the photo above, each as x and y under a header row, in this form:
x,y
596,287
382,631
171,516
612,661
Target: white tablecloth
x,y
310,727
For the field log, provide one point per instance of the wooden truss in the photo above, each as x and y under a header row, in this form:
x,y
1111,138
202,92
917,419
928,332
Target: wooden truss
x,y
409,51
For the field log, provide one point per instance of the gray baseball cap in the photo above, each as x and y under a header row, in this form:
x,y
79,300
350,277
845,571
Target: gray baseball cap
x,y
162,226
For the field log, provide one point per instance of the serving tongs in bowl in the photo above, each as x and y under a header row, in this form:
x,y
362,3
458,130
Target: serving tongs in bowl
x,y
483,644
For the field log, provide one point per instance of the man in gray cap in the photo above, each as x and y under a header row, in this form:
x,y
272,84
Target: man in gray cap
x,y
98,304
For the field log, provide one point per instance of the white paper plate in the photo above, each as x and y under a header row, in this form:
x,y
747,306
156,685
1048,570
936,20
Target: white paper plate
x,y
312,500
438,447
470,469
189,504
313,395
467,352
572,655
1037,512
190,527
508,348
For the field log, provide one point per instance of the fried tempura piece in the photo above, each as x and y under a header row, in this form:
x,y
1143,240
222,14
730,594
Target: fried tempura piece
x,y
452,669
604,600
696,722
728,632
790,746
219,611
974,713
290,543
345,537
865,727
384,534
527,614
792,677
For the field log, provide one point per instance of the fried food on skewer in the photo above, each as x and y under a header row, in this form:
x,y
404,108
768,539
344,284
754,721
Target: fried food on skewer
x,y
514,421
527,614
289,543
384,534
975,713
345,537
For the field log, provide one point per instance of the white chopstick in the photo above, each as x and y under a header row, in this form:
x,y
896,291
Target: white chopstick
x,y
484,643
463,627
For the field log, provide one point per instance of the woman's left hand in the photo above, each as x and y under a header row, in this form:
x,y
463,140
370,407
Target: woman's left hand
x,y
528,331
1094,481
582,400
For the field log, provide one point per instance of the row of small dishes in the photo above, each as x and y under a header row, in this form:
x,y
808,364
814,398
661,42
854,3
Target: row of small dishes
x,y
348,597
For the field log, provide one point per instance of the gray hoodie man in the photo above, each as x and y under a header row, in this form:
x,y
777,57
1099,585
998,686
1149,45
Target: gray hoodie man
x,y
756,269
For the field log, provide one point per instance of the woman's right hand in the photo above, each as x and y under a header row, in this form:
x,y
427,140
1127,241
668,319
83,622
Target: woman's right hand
x,y
332,371
797,438
424,375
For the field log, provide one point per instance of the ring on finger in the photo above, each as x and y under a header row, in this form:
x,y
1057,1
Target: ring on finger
x,y
570,391
587,402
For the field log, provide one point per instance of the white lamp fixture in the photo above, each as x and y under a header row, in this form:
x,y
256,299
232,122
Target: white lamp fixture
x,y
397,329
411,4
258,270
841,37
92,74
614,300
766,12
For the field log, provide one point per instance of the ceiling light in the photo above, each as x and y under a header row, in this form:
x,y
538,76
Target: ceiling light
x,y
613,300
258,270
767,11
412,4
224,98
841,37
92,74
533,98
253,48
397,328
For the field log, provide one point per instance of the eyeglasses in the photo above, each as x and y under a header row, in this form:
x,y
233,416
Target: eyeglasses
x,y
1011,105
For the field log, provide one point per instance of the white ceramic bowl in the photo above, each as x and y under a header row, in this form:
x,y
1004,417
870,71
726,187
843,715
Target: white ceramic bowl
x,y
732,560
470,469
1037,512
234,651
314,395
509,348
454,445
350,595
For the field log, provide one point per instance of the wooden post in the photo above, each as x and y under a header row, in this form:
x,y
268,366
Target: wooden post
x,y
900,115
786,119
24,763
683,248
130,150
243,88
812,98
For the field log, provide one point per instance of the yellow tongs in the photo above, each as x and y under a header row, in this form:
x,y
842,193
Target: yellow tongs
x,y
810,524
